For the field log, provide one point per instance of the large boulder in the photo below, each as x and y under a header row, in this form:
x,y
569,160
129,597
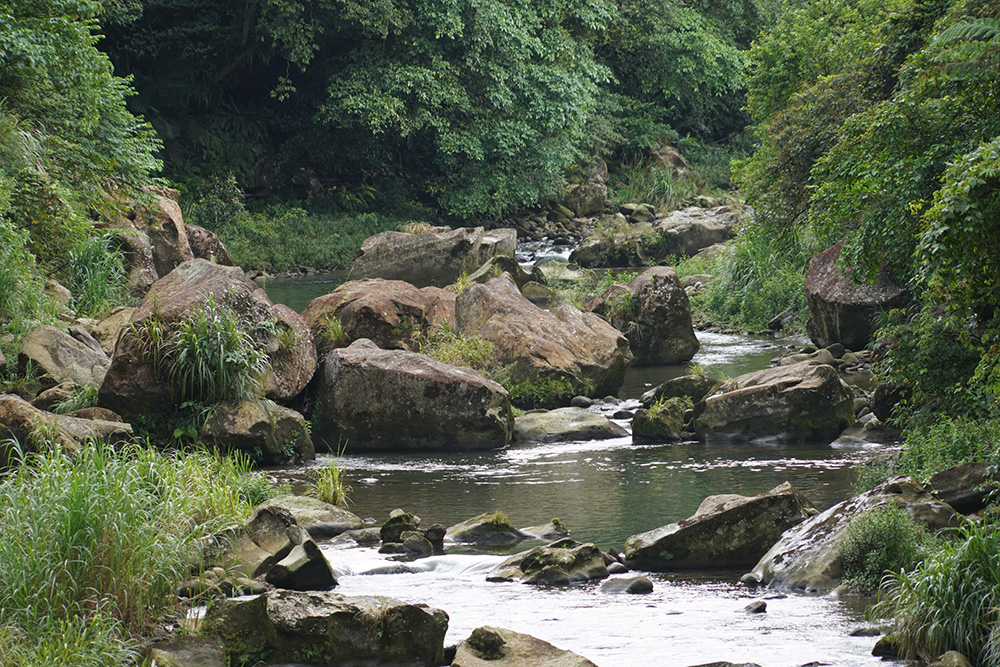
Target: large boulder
x,y
21,421
563,424
562,345
137,254
494,266
110,328
655,314
186,651
489,646
270,433
694,386
804,400
726,531
390,313
135,384
839,310
436,257
393,399
967,487
562,562
62,357
686,232
807,558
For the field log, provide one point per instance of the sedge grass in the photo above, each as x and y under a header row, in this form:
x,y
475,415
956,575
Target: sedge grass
x,y
91,546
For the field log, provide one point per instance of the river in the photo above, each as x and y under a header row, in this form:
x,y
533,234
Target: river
x,y
605,491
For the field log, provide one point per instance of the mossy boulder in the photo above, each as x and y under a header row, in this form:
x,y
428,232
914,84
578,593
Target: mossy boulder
x,y
486,530
662,422
562,562
489,646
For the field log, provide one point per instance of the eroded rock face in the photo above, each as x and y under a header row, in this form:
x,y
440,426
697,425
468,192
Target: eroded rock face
x,y
562,562
564,424
163,224
840,312
564,344
654,312
133,384
497,647
137,253
437,257
390,313
62,357
807,557
804,400
726,531
393,399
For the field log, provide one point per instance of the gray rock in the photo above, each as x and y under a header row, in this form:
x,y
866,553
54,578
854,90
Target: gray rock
x,y
398,523
695,387
437,257
497,647
62,357
807,557
187,651
967,487
57,292
805,400
305,568
486,530
562,562
415,542
110,328
631,585
726,531
553,530
563,424
241,625
348,630
270,433
392,399
756,607
320,519
663,422
207,245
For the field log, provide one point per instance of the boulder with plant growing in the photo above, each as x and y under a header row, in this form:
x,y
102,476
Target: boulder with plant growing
x,y
203,334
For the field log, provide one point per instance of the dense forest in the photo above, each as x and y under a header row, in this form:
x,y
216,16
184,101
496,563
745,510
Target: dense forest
x,y
296,128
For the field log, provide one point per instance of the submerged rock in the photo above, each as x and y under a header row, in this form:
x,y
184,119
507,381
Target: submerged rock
x,y
807,557
630,585
496,647
726,531
565,424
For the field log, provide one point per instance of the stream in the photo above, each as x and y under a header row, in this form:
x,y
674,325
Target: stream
x,y
604,491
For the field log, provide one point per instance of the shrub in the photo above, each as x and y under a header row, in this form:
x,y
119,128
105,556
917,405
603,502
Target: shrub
x,y
951,601
883,539
91,546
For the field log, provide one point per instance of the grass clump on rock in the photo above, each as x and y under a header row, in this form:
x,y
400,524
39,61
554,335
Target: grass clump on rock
x,y
92,546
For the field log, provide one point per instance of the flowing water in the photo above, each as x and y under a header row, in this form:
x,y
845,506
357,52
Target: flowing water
x,y
605,491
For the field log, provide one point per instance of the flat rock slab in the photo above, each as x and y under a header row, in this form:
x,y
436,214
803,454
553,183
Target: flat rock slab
x,y
564,424
320,519
498,647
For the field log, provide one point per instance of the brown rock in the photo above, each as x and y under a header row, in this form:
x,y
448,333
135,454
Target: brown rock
x,y
62,357
563,344
390,313
498,647
207,245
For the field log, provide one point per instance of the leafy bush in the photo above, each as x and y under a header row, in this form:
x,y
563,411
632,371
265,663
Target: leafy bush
x,y
951,602
92,546
883,539
948,442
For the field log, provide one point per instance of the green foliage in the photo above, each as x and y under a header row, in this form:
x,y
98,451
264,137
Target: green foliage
x,y
499,520
92,546
23,304
883,539
758,277
951,601
458,350
83,397
97,277
948,442
547,392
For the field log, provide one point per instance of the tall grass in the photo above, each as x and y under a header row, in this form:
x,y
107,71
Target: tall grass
x,y
23,304
951,601
329,483
210,358
97,277
91,546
